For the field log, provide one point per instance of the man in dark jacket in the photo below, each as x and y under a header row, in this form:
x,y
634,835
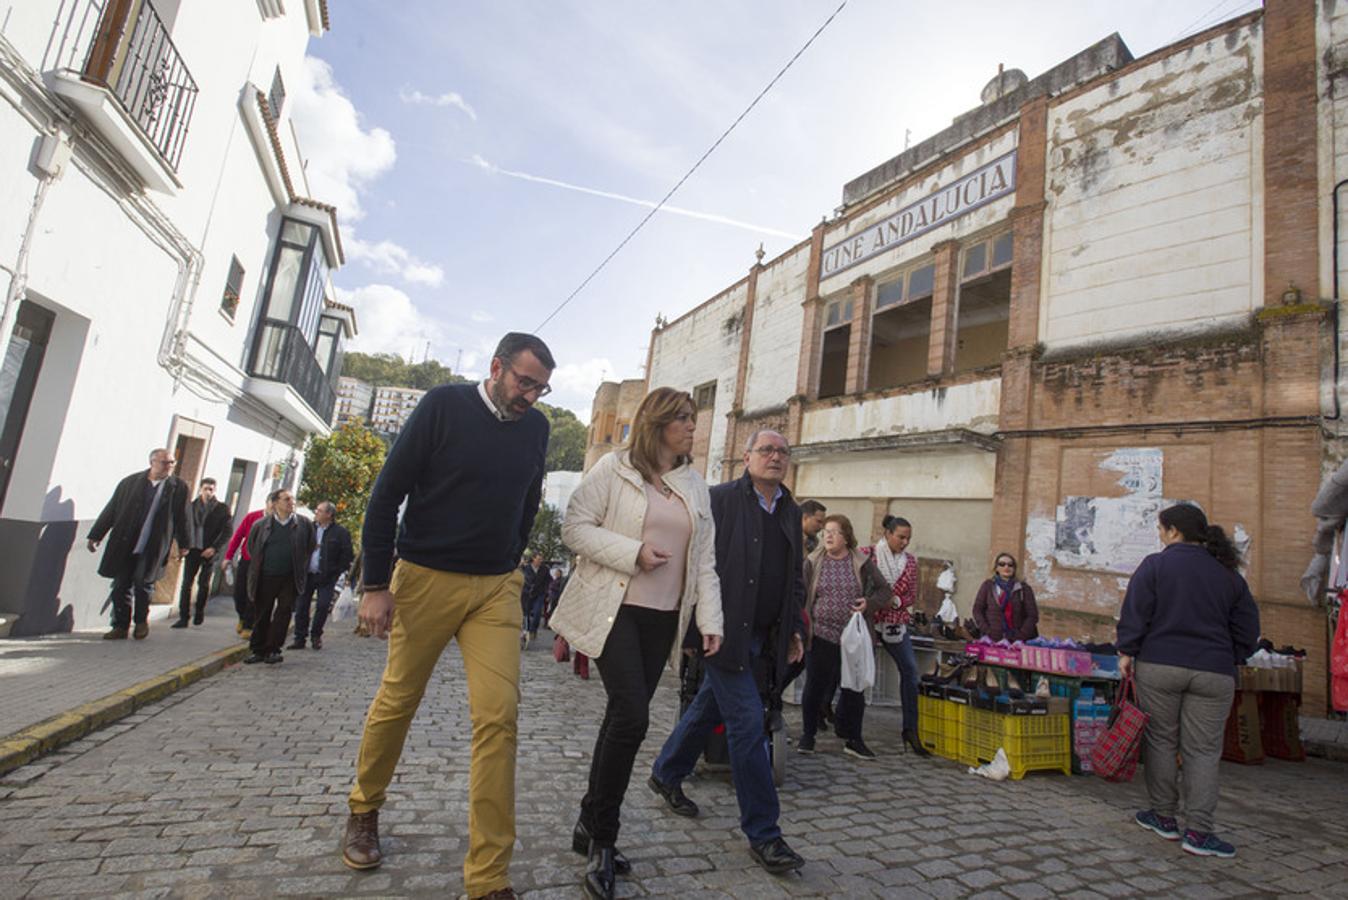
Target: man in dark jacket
x,y
279,546
211,523
759,562
535,593
331,558
147,512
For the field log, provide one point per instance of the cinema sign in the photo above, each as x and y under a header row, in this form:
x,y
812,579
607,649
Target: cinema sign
x,y
983,185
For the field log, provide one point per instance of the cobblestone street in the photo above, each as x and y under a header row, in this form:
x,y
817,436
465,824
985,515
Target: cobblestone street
x,y
235,787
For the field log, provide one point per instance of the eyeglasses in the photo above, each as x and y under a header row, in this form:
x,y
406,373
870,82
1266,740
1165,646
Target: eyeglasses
x,y
528,385
832,532
1006,565
766,452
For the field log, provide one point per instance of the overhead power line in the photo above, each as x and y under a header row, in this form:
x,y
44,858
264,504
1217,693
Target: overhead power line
x,y
701,159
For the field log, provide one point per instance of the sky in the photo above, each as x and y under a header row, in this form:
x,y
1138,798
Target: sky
x,y
485,157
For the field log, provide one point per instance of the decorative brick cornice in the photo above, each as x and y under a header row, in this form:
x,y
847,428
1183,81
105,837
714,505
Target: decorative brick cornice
x,y
274,138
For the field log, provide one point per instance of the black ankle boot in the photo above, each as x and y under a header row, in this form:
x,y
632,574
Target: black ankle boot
x,y
580,843
599,873
910,738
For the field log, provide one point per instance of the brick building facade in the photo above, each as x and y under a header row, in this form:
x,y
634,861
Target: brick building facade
x,y
1096,293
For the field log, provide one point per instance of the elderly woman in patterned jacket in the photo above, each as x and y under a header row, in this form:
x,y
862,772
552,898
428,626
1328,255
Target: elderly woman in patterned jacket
x,y
892,624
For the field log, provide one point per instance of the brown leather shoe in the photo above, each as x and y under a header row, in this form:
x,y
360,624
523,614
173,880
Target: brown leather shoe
x,y
115,634
501,894
142,631
360,847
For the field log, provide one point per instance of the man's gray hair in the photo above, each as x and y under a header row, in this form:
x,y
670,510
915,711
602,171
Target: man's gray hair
x,y
759,432
158,450
332,507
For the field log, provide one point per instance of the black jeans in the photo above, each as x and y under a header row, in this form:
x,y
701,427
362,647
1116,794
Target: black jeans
x,y
634,656
198,571
274,600
128,581
325,592
243,606
822,677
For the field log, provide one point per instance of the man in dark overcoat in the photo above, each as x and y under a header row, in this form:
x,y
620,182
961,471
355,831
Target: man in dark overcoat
x,y
331,559
147,513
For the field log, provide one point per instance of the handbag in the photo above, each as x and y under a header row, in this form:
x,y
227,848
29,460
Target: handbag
x,y
1114,757
561,650
892,632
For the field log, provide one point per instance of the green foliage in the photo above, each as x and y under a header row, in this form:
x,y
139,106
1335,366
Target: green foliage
x,y
546,537
566,439
391,369
341,468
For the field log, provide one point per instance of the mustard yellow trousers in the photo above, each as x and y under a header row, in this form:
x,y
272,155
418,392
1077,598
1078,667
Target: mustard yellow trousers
x,y
483,613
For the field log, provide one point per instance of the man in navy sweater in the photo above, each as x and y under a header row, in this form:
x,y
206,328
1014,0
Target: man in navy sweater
x,y
470,465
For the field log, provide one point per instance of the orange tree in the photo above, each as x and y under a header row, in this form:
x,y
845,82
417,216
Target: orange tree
x,y
341,468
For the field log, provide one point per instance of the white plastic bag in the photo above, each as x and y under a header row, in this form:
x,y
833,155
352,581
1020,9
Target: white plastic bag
x,y
858,655
948,613
346,606
997,770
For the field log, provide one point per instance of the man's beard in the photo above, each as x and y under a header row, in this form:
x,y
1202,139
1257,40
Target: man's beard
x,y
502,401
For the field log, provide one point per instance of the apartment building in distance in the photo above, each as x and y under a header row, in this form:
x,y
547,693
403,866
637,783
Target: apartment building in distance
x,y
391,406
355,398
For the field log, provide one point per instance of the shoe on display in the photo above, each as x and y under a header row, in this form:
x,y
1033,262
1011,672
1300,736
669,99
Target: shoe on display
x,y
858,749
1165,826
1206,844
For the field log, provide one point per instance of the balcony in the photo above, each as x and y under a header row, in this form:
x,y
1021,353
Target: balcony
x,y
132,84
287,376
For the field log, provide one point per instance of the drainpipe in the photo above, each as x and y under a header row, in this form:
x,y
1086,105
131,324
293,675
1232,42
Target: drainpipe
x,y
1338,413
52,155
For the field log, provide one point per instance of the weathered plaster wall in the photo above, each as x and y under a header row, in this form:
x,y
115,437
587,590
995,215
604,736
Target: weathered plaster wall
x,y
1154,188
704,346
774,340
972,405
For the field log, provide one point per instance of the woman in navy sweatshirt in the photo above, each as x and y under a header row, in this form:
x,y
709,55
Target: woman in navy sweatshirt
x,y
1188,620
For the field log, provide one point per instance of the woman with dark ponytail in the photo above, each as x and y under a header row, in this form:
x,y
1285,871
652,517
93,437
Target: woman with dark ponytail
x,y
1188,621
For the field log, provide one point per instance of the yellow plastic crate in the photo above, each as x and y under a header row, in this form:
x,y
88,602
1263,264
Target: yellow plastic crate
x,y
940,726
1032,743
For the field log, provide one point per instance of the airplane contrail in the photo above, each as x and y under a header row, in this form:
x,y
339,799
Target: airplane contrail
x,y
494,169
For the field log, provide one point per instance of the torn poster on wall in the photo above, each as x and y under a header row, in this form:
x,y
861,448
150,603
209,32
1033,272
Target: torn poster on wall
x,y
1114,534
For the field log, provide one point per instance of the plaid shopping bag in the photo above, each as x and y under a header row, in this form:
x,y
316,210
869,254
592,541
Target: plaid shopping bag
x,y
1114,757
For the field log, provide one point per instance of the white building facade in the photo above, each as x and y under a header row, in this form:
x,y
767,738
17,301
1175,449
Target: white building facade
x,y
166,272
1104,289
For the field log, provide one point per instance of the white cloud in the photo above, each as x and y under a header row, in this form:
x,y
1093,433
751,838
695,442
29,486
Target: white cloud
x,y
390,258
343,157
574,384
449,98
390,322
481,317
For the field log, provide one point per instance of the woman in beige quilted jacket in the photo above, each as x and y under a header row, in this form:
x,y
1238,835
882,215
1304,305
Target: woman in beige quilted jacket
x,y
641,522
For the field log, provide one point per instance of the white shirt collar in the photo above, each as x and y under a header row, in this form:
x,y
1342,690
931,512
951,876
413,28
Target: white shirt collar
x,y
486,398
281,521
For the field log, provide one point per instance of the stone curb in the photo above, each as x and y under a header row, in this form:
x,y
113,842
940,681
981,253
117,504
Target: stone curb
x,y
1325,750
24,746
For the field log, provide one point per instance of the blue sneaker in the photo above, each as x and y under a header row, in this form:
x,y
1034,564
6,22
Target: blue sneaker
x,y
1201,843
1165,826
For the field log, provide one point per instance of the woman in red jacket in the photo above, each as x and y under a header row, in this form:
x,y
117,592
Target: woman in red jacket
x,y
1005,607
243,607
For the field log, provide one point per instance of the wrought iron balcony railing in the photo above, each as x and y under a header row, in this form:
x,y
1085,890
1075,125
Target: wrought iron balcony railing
x,y
133,57
282,354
